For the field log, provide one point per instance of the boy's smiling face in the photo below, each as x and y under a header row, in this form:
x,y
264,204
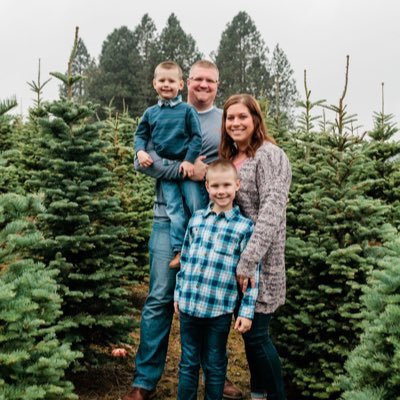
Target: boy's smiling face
x,y
167,83
222,185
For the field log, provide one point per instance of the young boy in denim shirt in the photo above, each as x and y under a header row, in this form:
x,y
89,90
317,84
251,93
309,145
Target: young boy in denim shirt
x,y
206,292
174,129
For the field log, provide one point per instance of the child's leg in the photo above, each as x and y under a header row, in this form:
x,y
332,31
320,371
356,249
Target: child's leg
x,y
195,195
176,213
191,338
213,355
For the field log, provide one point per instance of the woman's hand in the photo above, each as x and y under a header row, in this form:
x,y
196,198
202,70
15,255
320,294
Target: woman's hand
x,y
244,282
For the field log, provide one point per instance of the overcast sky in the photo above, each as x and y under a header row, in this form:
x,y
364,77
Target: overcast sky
x,y
316,35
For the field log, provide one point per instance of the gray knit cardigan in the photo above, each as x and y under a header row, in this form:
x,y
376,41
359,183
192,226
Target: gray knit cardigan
x,y
263,195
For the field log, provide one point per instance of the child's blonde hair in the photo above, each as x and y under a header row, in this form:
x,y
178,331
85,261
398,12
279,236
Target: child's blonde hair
x,y
222,164
168,65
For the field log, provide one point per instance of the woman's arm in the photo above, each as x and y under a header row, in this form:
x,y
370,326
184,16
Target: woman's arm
x,y
273,178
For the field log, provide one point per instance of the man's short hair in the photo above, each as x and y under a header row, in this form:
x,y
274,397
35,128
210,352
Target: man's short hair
x,y
222,164
204,64
168,65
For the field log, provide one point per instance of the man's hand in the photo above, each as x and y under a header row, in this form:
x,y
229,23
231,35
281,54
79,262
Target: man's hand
x,y
244,282
144,159
186,169
176,307
200,169
242,324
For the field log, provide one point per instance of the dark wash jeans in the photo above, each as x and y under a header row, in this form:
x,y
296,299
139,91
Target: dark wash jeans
x,y
203,342
263,359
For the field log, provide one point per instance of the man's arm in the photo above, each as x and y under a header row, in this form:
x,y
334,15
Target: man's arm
x,y
170,171
159,169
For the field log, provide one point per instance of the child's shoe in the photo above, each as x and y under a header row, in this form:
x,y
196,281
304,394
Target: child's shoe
x,y
176,261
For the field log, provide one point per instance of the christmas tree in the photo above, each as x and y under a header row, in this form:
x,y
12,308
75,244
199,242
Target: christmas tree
x,y
32,359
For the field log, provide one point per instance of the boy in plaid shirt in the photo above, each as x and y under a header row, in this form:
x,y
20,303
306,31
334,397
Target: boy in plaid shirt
x,y
206,292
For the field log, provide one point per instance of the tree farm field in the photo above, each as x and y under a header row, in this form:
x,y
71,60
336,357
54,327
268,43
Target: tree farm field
x,y
111,382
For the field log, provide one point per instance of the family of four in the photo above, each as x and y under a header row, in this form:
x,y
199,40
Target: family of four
x,y
221,168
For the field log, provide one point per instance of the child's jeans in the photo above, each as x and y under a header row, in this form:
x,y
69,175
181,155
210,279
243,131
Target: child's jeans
x,y
203,341
182,199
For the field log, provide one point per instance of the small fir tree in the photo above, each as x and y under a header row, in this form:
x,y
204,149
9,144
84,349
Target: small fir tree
x,y
385,152
373,367
135,191
82,220
32,359
334,236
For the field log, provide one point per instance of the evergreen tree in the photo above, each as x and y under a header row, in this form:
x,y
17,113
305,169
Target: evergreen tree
x,y
386,155
33,360
9,174
282,91
242,59
178,46
135,191
333,242
373,367
82,65
82,220
116,78
146,38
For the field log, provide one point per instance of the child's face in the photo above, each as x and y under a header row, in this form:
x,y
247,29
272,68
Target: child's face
x,y
222,186
167,83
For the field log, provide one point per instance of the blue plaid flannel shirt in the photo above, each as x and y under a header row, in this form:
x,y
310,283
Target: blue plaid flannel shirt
x,y
206,283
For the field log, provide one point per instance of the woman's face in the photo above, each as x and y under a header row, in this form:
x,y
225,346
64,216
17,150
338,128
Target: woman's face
x,y
239,125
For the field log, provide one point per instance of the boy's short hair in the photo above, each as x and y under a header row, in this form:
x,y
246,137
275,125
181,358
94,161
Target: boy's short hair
x,y
168,65
222,164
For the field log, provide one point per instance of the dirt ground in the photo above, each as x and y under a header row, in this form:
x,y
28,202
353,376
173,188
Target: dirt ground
x,y
111,382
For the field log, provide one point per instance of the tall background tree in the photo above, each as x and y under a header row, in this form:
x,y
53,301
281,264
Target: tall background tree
x,y
146,38
282,92
177,45
242,59
115,80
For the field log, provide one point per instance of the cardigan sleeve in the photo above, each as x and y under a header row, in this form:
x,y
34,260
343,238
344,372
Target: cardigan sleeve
x,y
273,178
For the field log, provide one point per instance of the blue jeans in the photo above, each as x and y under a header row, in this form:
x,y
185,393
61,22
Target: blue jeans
x,y
263,359
182,199
157,312
203,342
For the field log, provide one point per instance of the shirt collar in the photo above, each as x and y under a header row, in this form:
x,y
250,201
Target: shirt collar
x,y
171,102
228,215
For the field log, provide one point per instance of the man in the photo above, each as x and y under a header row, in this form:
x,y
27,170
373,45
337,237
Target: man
x,y
158,310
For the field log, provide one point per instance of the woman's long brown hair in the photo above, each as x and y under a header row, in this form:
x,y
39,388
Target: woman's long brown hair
x,y
227,147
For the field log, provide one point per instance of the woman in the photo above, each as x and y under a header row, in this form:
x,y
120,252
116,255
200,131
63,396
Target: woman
x,y
265,177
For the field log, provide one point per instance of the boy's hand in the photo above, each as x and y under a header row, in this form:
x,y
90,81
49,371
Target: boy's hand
x,y
176,307
200,169
243,324
186,169
144,159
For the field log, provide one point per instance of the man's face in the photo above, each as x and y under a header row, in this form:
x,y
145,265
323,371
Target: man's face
x,y
202,87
